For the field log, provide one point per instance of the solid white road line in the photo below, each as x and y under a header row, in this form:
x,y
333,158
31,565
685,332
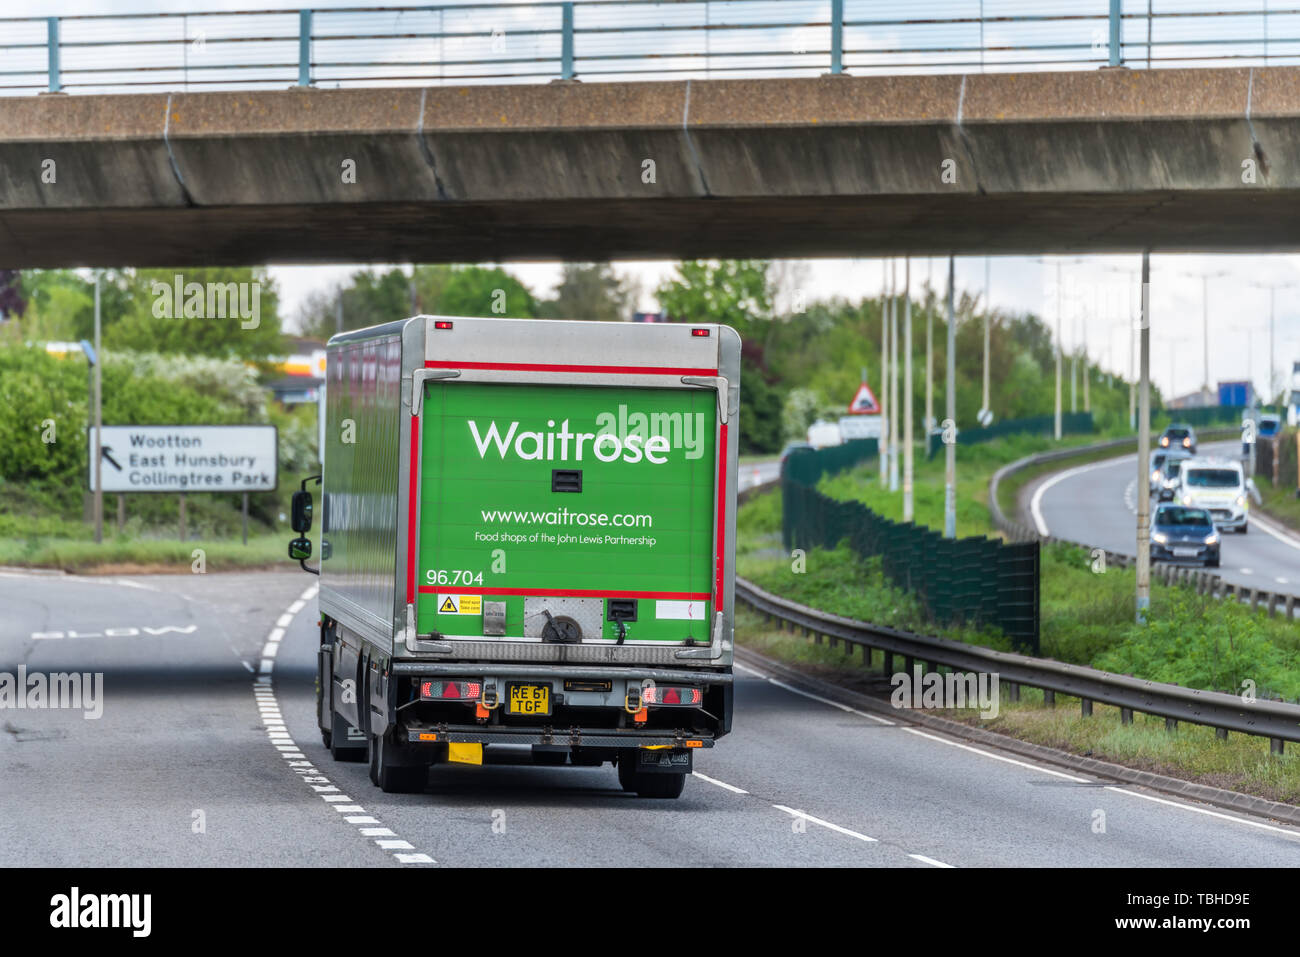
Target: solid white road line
x,y
722,784
996,757
276,732
826,824
1206,811
1267,526
1036,502
930,860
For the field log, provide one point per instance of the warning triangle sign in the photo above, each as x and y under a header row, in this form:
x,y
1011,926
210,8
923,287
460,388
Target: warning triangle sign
x,y
864,402
448,606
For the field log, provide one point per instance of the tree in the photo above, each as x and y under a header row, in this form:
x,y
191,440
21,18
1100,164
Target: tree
x,y
12,302
592,291
221,312
737,293
481,291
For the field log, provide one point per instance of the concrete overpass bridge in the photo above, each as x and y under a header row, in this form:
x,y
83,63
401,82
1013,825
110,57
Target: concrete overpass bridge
x,y
1103,160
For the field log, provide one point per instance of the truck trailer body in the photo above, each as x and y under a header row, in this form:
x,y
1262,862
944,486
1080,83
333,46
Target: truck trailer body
x,y
528,537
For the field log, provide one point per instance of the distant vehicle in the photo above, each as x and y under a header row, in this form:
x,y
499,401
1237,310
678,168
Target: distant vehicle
x,y
1269,425
1180,533
1170,473
1156,467
1179,436
824,434
1239,393
1218,485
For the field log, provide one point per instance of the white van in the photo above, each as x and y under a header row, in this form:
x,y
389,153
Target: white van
x,y
1219,485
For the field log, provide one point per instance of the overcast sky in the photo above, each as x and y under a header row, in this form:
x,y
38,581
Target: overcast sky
x,y
1098,292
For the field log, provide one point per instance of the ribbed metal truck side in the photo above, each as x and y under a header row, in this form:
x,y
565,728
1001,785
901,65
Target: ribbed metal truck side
x,y
528,538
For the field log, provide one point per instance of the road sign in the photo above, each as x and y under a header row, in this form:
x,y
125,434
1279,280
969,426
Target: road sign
x,y
187,458
864,402
860,427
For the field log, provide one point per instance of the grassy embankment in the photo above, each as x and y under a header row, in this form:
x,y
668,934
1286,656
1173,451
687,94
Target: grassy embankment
x,y
1086,618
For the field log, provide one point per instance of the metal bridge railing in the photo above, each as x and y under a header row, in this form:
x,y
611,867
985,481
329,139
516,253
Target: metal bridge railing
x,y
524,42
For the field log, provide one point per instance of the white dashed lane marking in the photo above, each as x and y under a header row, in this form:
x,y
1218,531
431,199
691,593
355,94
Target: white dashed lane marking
x,y
269,708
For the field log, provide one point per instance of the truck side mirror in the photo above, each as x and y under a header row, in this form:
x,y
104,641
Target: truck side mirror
x,y
300,549
301,519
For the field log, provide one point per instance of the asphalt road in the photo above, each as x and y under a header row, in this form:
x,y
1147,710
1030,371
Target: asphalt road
x,y
1096,505
208,720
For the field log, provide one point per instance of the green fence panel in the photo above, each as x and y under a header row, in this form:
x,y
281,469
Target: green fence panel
x,y
977,580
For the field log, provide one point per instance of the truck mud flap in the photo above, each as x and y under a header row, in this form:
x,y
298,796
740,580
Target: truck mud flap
x,y
663,760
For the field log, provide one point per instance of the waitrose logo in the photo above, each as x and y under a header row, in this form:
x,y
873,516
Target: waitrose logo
x,y
618,435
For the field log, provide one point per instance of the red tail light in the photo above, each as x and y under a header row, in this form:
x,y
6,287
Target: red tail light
x,y
439,690
668,695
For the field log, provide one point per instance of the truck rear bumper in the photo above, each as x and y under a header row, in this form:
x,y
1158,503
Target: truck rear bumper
x,y
693,675
567,737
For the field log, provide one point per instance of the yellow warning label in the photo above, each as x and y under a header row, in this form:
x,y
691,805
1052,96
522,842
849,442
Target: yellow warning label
x,y
460,604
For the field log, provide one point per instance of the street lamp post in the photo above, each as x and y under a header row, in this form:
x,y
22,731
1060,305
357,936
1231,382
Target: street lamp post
x,y
893,376
1058,351
950,441
99,426
1144,450
883,446
908,442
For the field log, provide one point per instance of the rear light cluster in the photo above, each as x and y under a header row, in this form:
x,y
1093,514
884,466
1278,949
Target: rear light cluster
x,y
672,695
439,690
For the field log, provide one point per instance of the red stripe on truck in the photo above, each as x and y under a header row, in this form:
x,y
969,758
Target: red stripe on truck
x,y
544,367
565,593
412,501
722,519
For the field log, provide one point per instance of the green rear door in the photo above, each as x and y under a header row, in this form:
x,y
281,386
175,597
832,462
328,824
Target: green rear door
x,y
567,491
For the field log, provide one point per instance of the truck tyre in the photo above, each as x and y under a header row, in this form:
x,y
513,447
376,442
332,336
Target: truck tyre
x,y
341,749
550,759
393,778
660,785
627,769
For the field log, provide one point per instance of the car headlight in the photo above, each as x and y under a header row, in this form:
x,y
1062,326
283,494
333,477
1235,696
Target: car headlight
x,y
1212,538
1187,443
1164,441
1241,500
1160,537
1155,476
1187,500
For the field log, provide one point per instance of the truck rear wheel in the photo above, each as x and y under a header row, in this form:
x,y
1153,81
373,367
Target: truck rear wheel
x,y
345,742
647,784
391,777
627,770
660,785
551,759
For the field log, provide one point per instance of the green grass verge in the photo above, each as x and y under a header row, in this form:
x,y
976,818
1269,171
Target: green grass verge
x,y
1192,753
975,467
1087,616
1279,503
127,555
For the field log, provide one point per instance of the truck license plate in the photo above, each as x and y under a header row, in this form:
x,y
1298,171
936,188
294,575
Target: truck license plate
x,y
528,699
